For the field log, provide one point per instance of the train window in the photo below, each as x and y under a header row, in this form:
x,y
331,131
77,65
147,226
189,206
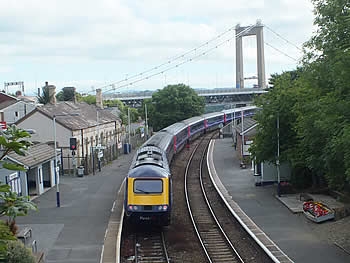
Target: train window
x,y
148,186
197,126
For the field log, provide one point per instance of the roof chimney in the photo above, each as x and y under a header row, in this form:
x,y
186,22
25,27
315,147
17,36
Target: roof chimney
x,y
99,101
52,92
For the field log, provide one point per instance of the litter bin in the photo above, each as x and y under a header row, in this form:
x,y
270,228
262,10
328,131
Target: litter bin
x,y
80,171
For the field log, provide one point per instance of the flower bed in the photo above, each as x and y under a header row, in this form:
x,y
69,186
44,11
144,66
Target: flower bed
x,y
317,211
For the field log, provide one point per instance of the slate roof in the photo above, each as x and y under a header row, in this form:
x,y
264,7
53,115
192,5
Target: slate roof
x,y
249,125
36,154
6,97
7,103
87,114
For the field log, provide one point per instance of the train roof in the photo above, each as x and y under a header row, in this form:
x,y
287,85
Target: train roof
x,y
160,139
148,171
175,128
240,109
193,120
150,155
213,114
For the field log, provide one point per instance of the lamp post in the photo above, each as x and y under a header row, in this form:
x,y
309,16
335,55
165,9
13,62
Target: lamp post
x,y
98,141
242,127
233,126
146,122
278,157
57,174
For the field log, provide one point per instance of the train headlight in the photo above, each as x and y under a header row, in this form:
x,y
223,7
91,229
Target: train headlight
x,y
162,208
132,207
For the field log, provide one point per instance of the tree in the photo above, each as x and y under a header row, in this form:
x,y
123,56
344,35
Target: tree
x,y
172,104
276,104
66,94
13,140
89,99
313,104
5,236
12,205
45,97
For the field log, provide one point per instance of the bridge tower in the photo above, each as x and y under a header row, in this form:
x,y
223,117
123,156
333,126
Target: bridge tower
x,y
241,32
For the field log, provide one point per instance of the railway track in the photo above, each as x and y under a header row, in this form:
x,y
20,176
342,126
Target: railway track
x,y
215,243
150,248
144,246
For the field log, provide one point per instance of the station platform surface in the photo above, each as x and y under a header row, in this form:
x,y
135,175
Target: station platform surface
x,y
83,229
298,237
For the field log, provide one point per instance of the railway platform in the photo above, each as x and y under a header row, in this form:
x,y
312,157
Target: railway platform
x,y
296,236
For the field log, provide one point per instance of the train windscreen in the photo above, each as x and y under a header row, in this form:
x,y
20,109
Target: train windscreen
x,y
148,186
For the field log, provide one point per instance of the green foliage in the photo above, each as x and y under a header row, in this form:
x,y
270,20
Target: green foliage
x,y
18,253
134,115
13,205
5,235
172,104
115,103
45,97
276,104
13,140
89,99
313,104
66,94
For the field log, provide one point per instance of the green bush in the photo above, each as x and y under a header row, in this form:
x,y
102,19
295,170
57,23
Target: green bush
x,y
5,235
301,178
18,253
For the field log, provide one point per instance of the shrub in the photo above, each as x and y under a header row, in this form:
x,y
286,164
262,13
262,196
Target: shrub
x,y
18,253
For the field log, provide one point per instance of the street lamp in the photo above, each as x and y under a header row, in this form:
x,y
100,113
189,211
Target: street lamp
x,y
57,174
278,157
146,122
233,125
242,127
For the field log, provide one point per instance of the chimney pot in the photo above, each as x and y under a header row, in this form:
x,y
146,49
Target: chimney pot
x,y
99,101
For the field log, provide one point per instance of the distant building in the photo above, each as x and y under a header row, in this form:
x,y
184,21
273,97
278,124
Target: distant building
x,y
14,108
92,125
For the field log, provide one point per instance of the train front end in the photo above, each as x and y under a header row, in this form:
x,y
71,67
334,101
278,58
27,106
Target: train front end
x,y
148,201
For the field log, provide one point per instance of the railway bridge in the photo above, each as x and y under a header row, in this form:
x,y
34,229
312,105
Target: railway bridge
x,y
216,99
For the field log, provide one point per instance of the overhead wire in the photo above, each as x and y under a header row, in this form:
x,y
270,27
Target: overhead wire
x,y
172,67
289,42
175,58
280,51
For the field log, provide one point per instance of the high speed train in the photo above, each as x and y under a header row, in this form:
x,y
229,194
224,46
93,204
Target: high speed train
x,y
148,193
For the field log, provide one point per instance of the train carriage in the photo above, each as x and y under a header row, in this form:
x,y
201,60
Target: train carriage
x,y
180,135
213,120
195,127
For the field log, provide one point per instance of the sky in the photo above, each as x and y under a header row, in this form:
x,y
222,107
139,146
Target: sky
x,y
123,45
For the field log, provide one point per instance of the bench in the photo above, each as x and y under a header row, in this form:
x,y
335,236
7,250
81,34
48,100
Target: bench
x,y
24,234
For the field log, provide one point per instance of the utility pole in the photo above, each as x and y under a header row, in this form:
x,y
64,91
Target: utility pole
x,y
99,153
129,130
278,157
146,122
242,161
